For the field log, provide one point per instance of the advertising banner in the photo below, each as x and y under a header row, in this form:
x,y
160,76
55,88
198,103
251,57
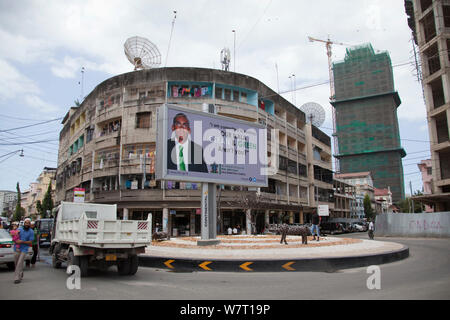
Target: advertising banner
x,y
195,146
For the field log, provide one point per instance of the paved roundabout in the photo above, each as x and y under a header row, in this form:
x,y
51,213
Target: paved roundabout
x,y
264,253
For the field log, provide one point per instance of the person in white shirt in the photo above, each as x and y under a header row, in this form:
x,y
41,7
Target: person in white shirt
x,y
371,230
235,230
230,231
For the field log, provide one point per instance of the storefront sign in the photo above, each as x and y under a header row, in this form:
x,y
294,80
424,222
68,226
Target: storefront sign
x,y
78,195
323,210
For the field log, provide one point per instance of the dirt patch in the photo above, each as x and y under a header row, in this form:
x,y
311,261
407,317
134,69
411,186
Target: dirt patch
x,y
254,243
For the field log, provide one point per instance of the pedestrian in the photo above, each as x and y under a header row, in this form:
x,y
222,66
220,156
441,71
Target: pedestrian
x,y
26,237
235,230
238,229
371,230
35,244
15,234
315,225
230,231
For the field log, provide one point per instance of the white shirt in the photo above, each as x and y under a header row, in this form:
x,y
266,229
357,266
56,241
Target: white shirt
x,y
185,153
235,231
230,231
371,226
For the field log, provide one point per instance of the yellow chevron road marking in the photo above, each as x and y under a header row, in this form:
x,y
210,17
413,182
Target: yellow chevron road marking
x,y
168,264
288,267
204,265
245,266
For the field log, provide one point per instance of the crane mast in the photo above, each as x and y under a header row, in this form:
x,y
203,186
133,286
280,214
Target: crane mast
x,y
328,46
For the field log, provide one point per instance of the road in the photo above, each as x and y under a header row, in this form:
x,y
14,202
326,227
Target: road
x,y
424,275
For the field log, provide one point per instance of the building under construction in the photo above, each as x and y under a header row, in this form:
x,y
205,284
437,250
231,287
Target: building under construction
x,y
367,129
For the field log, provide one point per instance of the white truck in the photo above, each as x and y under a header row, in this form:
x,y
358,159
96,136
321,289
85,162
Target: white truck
x,y
89,235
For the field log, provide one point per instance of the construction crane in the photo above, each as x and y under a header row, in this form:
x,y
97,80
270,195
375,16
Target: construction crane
x,y
328,44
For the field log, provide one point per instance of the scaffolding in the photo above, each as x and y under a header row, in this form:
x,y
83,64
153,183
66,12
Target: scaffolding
x,y
366,117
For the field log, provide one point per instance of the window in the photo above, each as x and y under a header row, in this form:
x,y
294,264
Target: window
x,y
243,97
227,94
429,27
446,12
143,120
432,56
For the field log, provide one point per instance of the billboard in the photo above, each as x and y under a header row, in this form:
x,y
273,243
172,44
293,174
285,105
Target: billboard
x,y
196,146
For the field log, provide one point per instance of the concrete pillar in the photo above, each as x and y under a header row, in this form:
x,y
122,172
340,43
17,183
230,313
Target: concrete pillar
x,y
301,216
165,220
267,217
291,217
125,213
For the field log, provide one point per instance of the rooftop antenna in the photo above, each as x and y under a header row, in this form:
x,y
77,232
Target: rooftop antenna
x,y
142,53
82,83
314,112
225,59
170,39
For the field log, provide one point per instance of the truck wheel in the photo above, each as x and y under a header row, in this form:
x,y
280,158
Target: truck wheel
x,y
123,267
11,266
55,262
73,260
134,264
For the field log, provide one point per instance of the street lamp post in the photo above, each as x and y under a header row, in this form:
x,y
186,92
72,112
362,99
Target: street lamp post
x,y
234,49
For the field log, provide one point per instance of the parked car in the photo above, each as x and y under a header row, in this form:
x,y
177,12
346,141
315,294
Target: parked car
x,y
7,250
330,228
357,227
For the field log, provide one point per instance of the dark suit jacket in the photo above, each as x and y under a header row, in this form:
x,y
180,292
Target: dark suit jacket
x,y
193,149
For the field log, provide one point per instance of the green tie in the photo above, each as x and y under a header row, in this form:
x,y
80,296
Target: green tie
x,y
182,165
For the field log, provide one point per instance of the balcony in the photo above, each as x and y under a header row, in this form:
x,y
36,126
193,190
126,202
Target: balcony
x,y
106,141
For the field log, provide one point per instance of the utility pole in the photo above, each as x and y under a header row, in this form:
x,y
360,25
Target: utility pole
x,y
412,201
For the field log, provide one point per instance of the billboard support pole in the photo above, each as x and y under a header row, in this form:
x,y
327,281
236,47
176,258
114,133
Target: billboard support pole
x,y
209,205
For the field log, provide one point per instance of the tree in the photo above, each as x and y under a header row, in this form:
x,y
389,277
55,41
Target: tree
x,y
406,204
368,211
47,202
248,201
19,212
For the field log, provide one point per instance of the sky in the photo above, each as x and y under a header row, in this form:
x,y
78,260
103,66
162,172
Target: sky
x,y
45,45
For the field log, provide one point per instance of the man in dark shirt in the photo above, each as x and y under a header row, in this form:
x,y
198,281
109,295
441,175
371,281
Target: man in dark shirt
x,y
315,225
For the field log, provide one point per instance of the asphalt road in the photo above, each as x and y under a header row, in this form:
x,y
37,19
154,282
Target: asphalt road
x,y
424,275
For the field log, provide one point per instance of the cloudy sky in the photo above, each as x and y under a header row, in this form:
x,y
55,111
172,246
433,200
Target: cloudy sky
x,y
44,45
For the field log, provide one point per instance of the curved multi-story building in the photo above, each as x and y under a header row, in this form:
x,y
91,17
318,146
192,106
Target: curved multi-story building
x,y
107,146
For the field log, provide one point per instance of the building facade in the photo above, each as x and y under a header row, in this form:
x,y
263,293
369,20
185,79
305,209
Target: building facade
x,y
426,169
107,147
384,199
429,21
8,202
367,128
37,191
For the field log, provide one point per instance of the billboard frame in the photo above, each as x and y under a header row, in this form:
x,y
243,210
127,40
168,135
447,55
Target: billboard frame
x,y
161,171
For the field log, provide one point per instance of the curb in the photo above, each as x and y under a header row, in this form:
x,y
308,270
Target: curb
x,y
326,264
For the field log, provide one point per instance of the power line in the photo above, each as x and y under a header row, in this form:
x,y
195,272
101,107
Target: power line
x,y
31,125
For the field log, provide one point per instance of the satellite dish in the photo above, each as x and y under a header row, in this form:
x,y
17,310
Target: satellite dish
x,y
142,53
225,58
314,112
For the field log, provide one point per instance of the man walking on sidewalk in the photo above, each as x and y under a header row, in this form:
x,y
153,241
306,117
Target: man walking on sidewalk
x,y
315,225
25,241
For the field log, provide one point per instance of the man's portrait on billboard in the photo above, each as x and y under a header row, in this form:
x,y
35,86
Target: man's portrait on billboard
x,y
182,153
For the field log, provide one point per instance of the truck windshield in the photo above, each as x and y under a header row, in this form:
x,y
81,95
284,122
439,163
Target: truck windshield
x,y
46,225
